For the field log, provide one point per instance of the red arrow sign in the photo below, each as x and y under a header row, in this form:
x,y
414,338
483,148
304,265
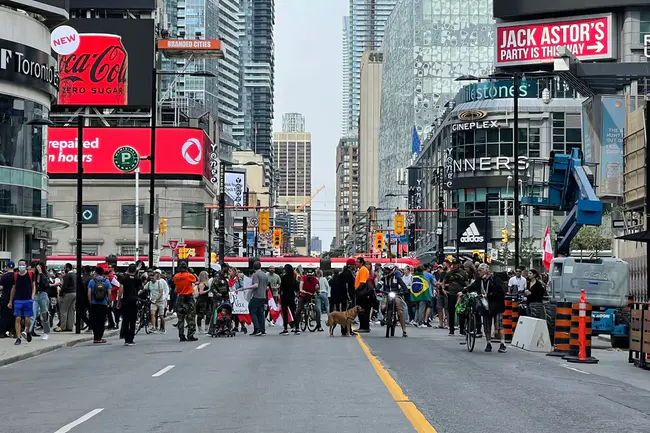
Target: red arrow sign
x,y
588,38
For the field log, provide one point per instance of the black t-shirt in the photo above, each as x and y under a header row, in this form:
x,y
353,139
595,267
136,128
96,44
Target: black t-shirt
x,y
7,283
132,285
23,287
42,283
536,292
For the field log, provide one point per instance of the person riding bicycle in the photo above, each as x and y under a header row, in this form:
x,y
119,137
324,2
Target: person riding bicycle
x,y
308,290
392,282
489,287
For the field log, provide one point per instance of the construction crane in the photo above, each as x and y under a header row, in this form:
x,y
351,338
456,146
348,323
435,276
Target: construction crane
x,y
309,200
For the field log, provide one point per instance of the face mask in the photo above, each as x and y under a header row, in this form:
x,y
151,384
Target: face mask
x,y
22,268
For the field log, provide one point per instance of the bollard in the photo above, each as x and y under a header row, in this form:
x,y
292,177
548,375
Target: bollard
x,y
580,335
515,314
507,320
562,330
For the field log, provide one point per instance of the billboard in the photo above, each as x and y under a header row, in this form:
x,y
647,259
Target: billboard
x,y
236,186
180,151
530,42
611,157
472,233
508,9
112,66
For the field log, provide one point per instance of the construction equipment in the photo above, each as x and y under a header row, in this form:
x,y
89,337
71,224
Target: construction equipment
x,y
309,200
570,187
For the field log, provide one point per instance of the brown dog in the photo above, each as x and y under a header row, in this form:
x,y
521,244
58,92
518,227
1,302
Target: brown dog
x,y
343,318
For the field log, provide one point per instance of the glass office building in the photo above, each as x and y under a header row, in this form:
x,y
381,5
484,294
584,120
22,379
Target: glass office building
x,y
427,45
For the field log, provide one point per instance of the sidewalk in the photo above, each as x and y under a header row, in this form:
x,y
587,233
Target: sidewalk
x,y
9,353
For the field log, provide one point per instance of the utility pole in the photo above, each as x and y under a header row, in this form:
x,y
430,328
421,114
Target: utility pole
x,y
80,193
441,215
245,224
515,137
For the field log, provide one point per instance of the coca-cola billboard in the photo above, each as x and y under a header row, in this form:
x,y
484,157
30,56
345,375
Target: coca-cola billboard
x,y
112,65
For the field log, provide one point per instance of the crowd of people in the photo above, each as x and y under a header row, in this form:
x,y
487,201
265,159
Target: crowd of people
x,y
33,296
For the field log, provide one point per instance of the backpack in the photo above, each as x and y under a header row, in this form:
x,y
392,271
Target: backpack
x,y
219,286
100,291
31,277
419,286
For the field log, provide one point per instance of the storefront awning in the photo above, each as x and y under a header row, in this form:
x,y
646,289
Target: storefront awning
x,y
49,224
643,236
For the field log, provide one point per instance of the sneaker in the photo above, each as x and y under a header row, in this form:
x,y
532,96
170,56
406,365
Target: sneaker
x,y
256,334
503,348
129,344
422,325
285,332
192,338
271,324
488,348
404,334
182,338
297,332
27,336
34,334
45,337
320,330
479,335
154,331
18,342
451,334
263,333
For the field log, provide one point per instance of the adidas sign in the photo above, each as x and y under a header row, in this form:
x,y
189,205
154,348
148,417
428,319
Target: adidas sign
x,y
471,235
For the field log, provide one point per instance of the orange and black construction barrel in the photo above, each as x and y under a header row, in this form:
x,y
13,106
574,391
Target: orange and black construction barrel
x,y
574,336
562,329
515,314
507,320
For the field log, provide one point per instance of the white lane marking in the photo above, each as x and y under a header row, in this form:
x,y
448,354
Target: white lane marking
x,y
202,346
66,428
568,367
163,371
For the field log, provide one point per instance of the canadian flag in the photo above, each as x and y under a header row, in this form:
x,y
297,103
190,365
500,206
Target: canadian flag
x,y
275,310
548,249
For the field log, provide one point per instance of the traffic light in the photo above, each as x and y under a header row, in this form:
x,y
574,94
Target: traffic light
x,y
399,224
162,229
264,221
379,241
504,239
277,238
513,230
213,257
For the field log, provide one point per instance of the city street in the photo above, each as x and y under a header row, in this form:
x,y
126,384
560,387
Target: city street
x,y
318,384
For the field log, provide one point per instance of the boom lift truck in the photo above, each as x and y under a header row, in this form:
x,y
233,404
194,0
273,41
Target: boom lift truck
x,y
570,187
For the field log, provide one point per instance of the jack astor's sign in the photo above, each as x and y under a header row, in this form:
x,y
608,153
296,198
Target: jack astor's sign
x,y
28,66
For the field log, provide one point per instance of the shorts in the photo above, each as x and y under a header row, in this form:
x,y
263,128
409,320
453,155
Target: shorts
x,y
24,308
158,308
442,302
497,321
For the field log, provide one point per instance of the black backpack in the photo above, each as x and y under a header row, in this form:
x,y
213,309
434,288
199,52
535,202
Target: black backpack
x,y
100,292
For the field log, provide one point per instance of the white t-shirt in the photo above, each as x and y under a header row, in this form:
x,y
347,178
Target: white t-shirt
x,y
520,282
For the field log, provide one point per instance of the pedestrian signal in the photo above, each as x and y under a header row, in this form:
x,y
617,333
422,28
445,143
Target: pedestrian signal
x,y
399,224
264,222
379,241
277,238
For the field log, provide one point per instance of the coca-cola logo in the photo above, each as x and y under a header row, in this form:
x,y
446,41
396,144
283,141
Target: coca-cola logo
x,y
107,67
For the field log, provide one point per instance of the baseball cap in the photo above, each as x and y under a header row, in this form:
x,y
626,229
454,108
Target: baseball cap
x,y
351,261
157,271
11,265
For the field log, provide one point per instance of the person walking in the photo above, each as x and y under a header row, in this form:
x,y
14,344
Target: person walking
x,y
21,300
202,303
363,291
324,295
42,301
99,288
256,305
6,315
156,295
288,287
185,303
130,286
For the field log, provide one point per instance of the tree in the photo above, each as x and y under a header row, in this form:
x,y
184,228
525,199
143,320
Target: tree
x,y
527,251
505,255
592,238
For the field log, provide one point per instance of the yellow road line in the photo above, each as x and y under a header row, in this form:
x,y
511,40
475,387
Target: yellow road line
x,y
412,413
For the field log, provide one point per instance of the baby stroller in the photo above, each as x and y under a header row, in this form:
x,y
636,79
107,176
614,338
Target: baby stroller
x,y
222,321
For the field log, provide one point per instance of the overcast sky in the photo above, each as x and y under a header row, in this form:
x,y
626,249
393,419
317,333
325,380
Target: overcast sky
x,y
308,80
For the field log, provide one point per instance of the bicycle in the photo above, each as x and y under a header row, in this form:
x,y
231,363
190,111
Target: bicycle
x,y
471,329
144,316
309,319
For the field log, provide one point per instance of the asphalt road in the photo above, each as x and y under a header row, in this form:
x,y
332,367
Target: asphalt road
x,y
317,384
518,391
244,384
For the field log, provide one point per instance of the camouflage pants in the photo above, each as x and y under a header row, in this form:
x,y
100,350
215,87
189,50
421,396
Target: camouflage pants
x,y
186,311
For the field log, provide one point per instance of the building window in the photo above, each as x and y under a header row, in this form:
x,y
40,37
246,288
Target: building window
x,y
644,24
88,249
128,215
50,211
129,250
193,215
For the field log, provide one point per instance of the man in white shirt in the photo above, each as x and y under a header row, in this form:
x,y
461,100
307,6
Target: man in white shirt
x,y
517,284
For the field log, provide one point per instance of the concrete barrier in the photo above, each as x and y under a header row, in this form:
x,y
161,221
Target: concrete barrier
x,y
532,335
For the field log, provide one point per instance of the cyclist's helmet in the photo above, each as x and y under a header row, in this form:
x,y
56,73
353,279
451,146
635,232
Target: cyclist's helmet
x,y
389,268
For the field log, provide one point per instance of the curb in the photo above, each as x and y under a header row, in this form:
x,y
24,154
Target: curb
x,y
49,349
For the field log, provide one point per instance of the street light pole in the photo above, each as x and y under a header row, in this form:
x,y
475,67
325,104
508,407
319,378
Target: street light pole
x,y
245,225
152,158
81,296
515,126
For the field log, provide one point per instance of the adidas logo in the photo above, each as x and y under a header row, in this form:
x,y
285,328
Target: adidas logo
x,y
471,235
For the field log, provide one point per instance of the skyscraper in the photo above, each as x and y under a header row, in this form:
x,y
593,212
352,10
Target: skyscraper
x,y
293,170
347,189
366,32
347,75
206,19
293,122
257,72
